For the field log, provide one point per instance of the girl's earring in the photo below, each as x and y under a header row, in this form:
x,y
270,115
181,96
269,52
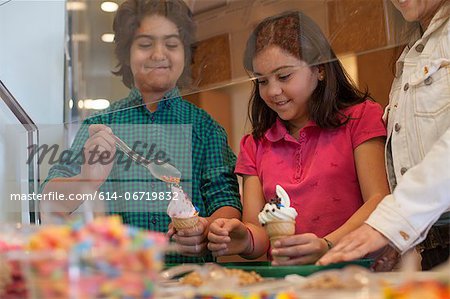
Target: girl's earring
x,y
321,74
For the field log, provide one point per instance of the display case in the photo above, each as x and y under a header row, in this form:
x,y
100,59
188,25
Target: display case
x,y
219,83
366,37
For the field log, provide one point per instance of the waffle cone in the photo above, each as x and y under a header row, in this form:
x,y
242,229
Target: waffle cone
x,y
184,223
279,229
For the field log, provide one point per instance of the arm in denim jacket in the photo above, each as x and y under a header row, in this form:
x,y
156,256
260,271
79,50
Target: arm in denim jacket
x,y
405,216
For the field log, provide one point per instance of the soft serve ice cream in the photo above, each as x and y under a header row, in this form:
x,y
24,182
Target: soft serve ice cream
x,y
181,209
278,209
278,218
181,205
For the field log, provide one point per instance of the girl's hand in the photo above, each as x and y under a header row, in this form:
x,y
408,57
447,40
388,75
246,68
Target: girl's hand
x,y
191,241
301,249
355,245
228,237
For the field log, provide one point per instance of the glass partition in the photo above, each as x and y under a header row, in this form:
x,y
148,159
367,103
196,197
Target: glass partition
x,y
364,35
19,175
361,34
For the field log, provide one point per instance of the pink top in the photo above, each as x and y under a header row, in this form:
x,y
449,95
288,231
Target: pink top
x,y
317,170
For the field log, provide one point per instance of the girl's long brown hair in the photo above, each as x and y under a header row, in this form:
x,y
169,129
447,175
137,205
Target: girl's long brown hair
x,y
297,34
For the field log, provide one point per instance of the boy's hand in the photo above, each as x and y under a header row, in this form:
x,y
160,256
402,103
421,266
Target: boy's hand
x,y
191,241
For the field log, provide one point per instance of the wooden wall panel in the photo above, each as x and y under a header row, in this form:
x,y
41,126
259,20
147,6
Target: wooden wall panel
x,y
356,25
375,71
212,63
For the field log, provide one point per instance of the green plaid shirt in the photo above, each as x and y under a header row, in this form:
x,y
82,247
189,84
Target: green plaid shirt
x,y
196,144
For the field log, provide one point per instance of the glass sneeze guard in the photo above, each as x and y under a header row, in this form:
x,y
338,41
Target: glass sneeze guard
x,y
19,135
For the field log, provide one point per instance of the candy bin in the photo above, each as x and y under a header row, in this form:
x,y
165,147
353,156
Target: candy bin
x,y
47,274
12,279
101,259
125,271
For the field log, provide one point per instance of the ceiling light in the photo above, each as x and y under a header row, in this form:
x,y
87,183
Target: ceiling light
x,y
80,104
109,6
76,5
108,37
98,104
70,104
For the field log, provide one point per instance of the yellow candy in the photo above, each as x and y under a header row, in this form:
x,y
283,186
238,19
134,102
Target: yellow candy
x,y
106,288
283,296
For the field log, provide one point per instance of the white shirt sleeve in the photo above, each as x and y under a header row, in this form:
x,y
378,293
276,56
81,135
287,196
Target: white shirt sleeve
x,y
423,194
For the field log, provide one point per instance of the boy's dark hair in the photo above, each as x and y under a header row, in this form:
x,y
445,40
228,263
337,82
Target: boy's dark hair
x,y
300,36
128,19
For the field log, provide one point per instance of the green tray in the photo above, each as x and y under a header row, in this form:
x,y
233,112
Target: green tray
x,y
266,270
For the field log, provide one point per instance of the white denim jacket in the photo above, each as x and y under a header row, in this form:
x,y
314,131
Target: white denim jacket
x,y
418,127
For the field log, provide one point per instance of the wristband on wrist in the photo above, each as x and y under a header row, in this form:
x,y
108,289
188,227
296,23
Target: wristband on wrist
x,y
252,243
329,243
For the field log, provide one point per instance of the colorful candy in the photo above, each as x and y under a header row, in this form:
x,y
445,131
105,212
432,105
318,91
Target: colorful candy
x,y
12,281
107,260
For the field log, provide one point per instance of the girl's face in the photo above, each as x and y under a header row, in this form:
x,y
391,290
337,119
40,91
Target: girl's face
x,y
285,83
417,10
156,55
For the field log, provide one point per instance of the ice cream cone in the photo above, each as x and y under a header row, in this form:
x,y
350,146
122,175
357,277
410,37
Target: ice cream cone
x,y
280,228
184,223
278,217
277,230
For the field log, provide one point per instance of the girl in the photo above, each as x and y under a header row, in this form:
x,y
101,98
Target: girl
x,y
314,134
418,147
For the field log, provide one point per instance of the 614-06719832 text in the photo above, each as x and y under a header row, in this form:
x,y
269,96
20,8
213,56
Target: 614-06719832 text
x,y
138,195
